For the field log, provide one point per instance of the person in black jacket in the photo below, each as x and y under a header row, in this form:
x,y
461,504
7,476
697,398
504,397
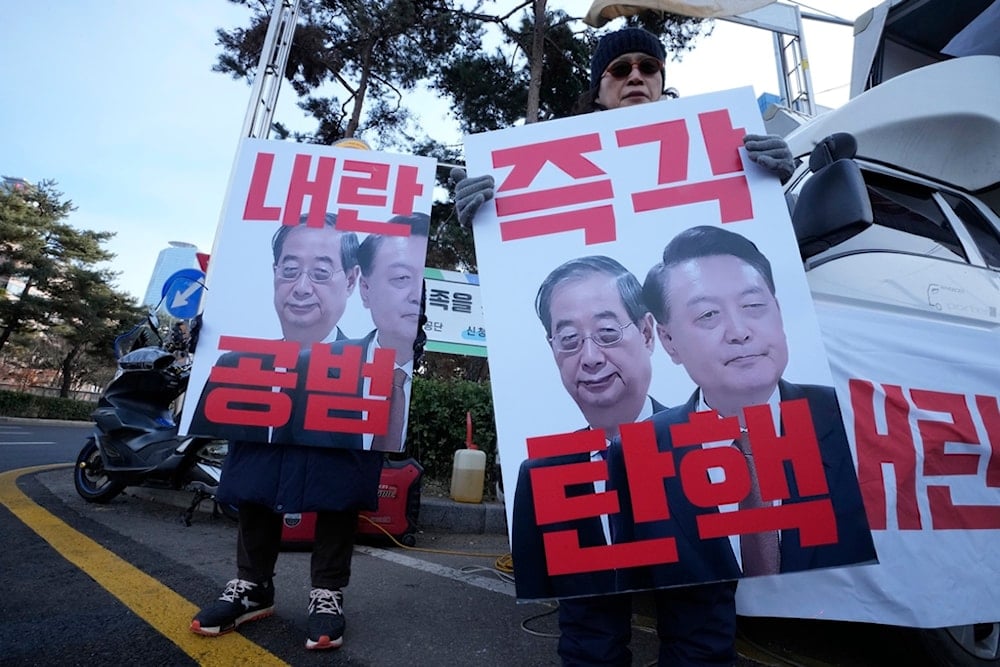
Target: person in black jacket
x,y
266,475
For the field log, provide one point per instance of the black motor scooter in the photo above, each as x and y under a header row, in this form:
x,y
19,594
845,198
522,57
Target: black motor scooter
x,y
135,441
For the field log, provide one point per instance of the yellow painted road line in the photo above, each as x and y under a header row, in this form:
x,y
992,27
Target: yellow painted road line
x,y
166,611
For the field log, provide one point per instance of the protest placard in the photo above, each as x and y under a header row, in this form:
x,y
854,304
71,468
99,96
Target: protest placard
x,y
664,407
313,298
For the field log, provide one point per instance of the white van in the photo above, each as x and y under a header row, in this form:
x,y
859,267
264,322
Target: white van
x,y
896,208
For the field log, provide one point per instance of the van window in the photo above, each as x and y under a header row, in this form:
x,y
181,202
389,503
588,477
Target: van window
x,y
979,227
907,219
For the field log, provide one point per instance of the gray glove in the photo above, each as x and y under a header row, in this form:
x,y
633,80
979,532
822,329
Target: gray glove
x,y
470,193
771,152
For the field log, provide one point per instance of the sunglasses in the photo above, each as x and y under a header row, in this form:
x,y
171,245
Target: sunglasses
x,y
623,68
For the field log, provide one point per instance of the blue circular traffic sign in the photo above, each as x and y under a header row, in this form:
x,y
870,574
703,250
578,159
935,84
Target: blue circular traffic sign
x,y
182,293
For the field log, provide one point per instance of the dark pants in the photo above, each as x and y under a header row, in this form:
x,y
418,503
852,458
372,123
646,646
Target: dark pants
x,y
596,630
259,541
696,626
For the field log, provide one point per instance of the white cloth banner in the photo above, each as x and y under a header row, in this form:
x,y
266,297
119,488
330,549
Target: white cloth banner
x,y
922,394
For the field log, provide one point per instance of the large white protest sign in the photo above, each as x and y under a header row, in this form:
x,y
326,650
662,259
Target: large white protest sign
x,y
585,207
313,298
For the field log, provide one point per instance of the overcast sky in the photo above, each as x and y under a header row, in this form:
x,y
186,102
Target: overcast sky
x,y
116,101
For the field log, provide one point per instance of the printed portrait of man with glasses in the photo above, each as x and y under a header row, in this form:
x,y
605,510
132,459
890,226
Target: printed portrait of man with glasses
x,y
391,289
602,338
315,272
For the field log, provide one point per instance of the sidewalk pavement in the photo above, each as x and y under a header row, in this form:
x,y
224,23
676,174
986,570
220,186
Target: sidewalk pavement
x,y
436,513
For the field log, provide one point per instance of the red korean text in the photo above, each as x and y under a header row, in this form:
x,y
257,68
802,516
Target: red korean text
x,y
351,183
254,392
585,199
941,426
344,393
648,470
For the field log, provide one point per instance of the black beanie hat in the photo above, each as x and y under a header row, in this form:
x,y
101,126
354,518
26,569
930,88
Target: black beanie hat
x,y
615,44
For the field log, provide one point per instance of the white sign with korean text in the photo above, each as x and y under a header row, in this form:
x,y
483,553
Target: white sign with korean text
x,y
922,395
313,298
454,313
619,186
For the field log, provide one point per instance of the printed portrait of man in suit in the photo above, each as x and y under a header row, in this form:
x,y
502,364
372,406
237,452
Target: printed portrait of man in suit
x,y
315,271
717,315
391,287
602,338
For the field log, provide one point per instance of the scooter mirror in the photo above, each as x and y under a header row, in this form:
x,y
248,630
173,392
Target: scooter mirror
x,y
154,321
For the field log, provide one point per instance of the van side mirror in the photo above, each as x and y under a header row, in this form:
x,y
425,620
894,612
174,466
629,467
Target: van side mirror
x,y
833,204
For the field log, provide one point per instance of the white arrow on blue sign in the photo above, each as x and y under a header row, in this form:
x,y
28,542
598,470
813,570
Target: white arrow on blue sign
x,y
182,293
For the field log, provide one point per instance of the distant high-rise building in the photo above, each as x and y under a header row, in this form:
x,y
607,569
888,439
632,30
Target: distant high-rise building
x,y
178,256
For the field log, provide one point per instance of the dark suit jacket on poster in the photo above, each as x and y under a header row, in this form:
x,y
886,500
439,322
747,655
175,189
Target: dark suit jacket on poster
x,y
528,551
717,561
297,432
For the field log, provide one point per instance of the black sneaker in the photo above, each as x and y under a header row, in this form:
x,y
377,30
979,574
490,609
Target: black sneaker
x,y
326,619
242,601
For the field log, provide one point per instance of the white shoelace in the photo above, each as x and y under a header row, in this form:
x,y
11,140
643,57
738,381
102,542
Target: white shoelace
x,y
325,601
235,589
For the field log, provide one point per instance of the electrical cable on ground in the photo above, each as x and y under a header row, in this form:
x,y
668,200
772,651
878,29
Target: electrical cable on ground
x,y
503,569
750,649
500,558
539,633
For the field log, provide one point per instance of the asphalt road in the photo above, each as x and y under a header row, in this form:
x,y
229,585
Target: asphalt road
x,y
118,584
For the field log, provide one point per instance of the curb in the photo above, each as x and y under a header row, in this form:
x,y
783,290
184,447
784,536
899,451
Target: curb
x,y
38,421
455,517
436,514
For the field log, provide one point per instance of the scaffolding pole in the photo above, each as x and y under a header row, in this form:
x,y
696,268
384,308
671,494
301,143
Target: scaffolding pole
x,y
270,69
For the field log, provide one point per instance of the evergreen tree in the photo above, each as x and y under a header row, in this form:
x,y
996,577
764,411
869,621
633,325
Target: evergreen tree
x,y
40,249
491,90
353,63
90,314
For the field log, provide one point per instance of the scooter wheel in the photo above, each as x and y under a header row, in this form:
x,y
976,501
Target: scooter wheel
x,y
89,477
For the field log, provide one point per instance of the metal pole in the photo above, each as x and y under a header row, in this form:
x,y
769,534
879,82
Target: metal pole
x,y
270,69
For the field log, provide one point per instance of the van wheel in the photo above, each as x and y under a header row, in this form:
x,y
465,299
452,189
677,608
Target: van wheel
x,y
972,645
